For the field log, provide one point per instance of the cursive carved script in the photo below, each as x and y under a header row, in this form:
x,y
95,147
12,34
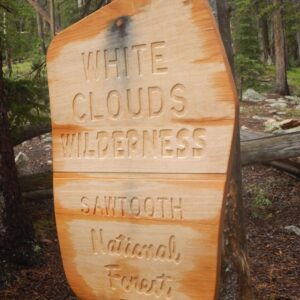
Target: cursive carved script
x,y
124,246
160,286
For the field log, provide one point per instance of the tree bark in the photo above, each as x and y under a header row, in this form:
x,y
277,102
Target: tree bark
x,y
235,279
223,16
42,12
52,17
264,28
298,45
270,148
16,231
40,27
102,3
280,50
284,165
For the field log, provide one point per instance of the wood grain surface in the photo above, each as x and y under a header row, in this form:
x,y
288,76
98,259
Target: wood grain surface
x,y
143,115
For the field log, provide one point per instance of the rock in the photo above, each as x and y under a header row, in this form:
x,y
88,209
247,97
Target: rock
x,y
273,111
279,105
244,127
293,99
277,118
49,162
252,96
271,100
272,125
297,108
47,139
261,118
293,229
290,97
292,130
22,163
286,126
281,113
47,147
281,100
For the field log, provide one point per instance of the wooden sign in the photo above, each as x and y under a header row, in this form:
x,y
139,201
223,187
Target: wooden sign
x,y
143,114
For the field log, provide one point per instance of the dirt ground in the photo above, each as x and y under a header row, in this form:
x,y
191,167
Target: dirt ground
x,y
272,200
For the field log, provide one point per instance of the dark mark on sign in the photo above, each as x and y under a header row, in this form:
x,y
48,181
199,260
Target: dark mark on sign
x,y
121,26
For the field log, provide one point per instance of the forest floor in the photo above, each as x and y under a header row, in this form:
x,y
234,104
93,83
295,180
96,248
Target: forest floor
x,y
272,200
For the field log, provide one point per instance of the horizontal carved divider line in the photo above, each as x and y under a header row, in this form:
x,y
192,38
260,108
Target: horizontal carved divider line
x,y
140,175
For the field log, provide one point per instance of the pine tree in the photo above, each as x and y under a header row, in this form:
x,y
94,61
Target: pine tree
x,y
280,49
16,230
246,43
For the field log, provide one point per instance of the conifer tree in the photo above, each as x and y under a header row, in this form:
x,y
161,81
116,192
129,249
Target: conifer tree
x,y
16,232
246,43
280,49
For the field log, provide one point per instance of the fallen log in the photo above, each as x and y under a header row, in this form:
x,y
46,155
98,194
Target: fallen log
x,y
30,132
270,148
284,165
287,166
255,147
37,195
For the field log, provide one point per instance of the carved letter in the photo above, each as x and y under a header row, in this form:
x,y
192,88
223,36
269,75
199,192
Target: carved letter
x,y
183,143
103,140
167,139
111,65
86,209
79,112
139,49
91,61
199,140
179,107
112,275
156,101
135,113
158,63
114,103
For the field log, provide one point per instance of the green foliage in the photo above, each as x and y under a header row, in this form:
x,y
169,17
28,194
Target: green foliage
x,y
25,82
291,14
37,249
260,205
246,44
19,31
26,102
294,80
69,12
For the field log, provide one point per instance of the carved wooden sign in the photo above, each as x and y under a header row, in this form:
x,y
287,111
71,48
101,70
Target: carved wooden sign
x,y
143,114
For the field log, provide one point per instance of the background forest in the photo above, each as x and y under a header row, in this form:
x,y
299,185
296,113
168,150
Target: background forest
x,y
266,47
265,38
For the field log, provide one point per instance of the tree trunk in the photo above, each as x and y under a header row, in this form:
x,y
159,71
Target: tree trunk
x,y
223,14
9,62
43,13
52,17
40,27
16,232
271,148
280,50
235,280
102,3
264,28
298,46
